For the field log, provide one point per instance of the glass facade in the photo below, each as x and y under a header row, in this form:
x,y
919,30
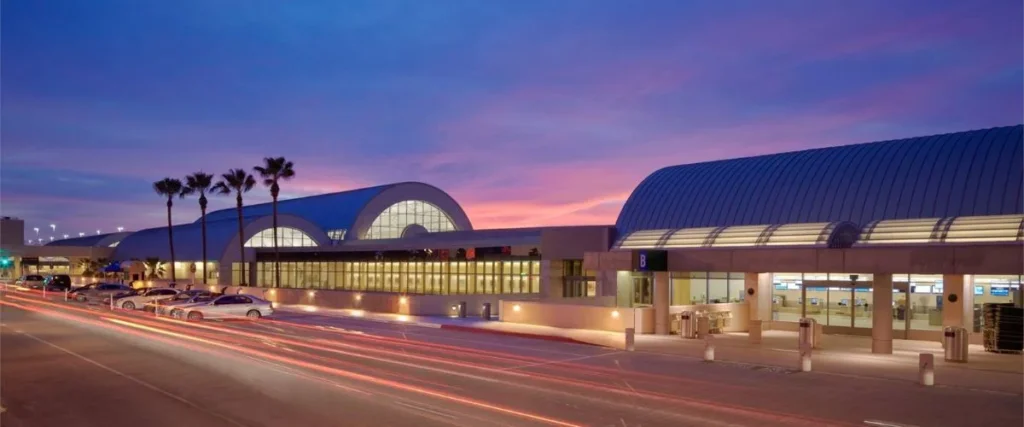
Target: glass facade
x,y
706,288
286,237
428,277
399,218
832,299
576,282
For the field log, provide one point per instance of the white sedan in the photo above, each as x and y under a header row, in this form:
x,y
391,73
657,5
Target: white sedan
x,y
225,306
136,302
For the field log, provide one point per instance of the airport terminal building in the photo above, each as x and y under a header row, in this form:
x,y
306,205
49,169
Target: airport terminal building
x,y
893,239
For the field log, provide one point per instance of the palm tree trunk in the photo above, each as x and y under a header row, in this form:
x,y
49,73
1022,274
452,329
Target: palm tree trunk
x,y
277,254
202,209
241,241
170,240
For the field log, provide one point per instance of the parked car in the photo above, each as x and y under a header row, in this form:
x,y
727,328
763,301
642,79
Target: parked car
x,y
30,281
164,307
101,292
143,297
57,282
225,306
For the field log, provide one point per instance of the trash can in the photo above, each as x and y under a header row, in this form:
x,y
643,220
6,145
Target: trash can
x,y
808,333
485,311
462,309
955,339
687,325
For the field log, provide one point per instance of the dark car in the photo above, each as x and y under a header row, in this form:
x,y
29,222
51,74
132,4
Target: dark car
x,y
57,282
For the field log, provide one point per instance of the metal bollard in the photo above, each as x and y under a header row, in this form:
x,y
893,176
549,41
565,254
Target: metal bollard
x,y
805,357
111,302
65,295
927,364
44,291
630,339
709,349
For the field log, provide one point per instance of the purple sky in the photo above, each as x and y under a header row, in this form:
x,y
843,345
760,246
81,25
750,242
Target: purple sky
x,y
527,112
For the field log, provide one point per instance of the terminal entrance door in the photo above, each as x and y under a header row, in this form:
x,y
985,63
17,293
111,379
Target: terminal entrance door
x,y
841,307
643,289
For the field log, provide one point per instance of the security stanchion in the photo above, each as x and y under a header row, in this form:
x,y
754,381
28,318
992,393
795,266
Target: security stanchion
x,y
65,295
630,339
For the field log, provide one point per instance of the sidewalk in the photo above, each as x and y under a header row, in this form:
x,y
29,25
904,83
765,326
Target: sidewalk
x,y
838,355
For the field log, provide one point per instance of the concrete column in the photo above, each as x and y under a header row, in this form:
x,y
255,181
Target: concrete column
x,y
759,303
958,313
881,314
661,299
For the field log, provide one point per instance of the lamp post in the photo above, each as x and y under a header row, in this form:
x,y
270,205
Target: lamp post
x,y
53,227
97,232
120,229
81,234
65,236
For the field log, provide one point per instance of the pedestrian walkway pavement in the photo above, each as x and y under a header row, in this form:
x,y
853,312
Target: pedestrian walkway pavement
x,y
837,355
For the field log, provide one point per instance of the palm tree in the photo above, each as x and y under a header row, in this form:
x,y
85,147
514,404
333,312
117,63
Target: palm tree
x,y
154,268
238,181
169,188
273,171
200,183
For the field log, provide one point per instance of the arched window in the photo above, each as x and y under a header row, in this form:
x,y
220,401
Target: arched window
x,y
286,237
410,215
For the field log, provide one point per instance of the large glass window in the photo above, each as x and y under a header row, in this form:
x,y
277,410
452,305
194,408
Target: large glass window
x,y
922,306
409,216
706,288
576,282
286,237
414,277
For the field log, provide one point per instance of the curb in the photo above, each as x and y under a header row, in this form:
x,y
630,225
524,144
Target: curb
x,y
555,338
369,319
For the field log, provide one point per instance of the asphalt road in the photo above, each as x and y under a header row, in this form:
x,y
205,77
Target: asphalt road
x,y
69,364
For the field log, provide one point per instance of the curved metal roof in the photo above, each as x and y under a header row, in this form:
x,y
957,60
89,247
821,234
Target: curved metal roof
x,y
958,174
348,209
221,237
99,240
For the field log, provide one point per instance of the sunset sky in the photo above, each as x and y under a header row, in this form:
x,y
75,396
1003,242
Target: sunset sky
x,y
528,112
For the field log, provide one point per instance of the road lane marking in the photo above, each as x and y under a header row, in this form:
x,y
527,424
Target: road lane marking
x,y
552,362
879,423
427,410
131,378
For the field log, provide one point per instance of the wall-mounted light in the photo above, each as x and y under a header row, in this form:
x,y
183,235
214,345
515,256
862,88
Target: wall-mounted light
x,y
358,297
403,300
516,308
615,314
312,294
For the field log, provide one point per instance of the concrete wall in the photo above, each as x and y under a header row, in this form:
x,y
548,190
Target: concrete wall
x,y
416,305
577,316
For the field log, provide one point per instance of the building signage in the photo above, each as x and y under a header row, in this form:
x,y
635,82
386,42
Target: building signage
x,y
650,261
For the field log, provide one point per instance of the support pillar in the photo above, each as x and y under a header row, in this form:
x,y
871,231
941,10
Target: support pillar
x,y
958,313
758,294
661,297
881,314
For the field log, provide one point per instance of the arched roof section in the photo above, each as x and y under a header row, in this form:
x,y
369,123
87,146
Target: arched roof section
x,y
354,209
94,241
221,238
408,191
958,174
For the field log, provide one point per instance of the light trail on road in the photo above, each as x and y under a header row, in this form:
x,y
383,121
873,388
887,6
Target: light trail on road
x,y
503,368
